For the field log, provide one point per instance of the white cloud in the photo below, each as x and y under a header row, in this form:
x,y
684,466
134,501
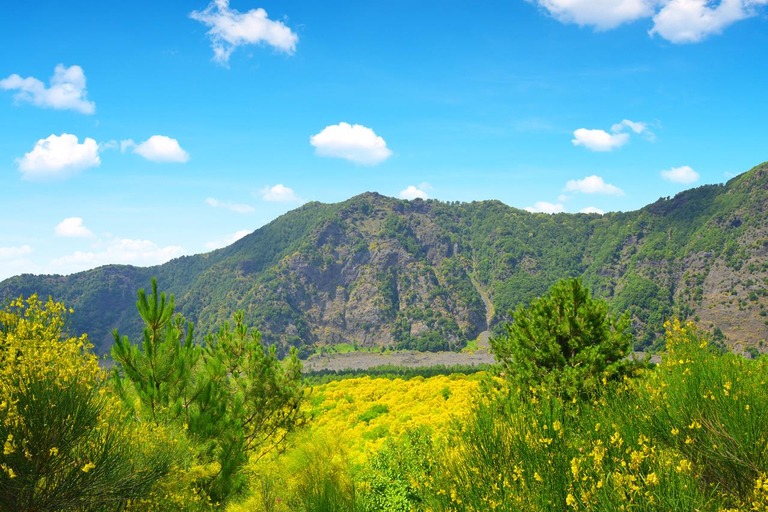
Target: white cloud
x,y
593,185
12,253
158,148
227,240
690,21
685,175
13,261
637,127
678,21
72,227
235,207
545,207
599,140
110,144
66,92
601,14
279,194
116,251
231,28
357,144
415,191
592,209
59,156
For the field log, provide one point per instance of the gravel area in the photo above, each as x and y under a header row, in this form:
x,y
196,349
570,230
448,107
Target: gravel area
x,y
365,360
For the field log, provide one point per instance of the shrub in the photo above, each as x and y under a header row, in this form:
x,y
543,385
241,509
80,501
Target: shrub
x,y
394,479
712,408
65,444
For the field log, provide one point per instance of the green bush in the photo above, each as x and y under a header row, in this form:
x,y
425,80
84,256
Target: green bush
x,y
394,480
231,397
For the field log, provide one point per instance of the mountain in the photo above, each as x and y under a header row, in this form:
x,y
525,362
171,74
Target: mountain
x,y
381,272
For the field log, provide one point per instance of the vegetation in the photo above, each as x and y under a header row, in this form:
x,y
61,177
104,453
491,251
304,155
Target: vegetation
x,y
689,435
368,445
564,423
390,371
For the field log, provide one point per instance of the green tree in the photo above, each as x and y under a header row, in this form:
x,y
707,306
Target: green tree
x,y
232,396
566,339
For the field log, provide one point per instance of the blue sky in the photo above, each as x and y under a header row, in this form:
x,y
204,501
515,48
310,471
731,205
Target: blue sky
x,y
148,144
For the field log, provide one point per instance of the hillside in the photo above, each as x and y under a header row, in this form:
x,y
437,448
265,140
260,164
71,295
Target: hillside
x,y
381,272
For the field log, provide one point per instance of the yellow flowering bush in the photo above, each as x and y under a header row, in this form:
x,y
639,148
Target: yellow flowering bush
x,y
64,443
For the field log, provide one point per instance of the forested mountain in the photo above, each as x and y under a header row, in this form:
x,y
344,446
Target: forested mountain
x,y
377,271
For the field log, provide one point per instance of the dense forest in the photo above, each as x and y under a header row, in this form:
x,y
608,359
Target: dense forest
x,y
378,272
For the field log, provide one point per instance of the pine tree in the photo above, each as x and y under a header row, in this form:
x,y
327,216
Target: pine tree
x,y
161,369
567,340
233,396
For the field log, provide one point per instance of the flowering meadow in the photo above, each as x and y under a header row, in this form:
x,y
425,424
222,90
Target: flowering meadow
x,y
352,421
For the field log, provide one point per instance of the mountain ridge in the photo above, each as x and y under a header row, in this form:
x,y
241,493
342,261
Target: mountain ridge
x,y
376,271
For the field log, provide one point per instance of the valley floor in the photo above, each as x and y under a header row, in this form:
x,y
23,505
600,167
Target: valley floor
x,y
408,358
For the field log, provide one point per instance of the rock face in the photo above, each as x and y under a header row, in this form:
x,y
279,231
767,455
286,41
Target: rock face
x,y
426,275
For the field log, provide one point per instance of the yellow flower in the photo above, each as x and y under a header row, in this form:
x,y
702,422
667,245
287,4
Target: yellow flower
x,y
8,448
537,477
53,451
685,465
570,500
8,470
88,467
575,467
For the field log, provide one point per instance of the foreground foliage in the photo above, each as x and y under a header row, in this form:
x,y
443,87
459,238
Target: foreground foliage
x,y
66,446
367,447
689,434
183,427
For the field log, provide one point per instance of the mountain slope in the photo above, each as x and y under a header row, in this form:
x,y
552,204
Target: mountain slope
x,y
377,271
